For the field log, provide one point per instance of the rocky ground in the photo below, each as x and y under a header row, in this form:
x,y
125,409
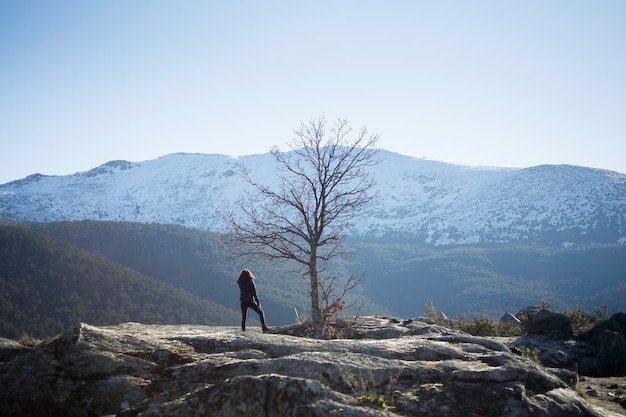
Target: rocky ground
x,y
382,367
606,392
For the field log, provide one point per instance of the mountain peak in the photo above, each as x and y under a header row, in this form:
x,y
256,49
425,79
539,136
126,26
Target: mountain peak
x,y
430,201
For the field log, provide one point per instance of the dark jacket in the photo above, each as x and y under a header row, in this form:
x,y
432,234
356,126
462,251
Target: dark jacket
x,y
247,291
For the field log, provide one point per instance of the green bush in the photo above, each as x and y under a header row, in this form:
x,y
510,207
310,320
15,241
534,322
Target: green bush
x,y
530,353
583,321
28,341
377,400
484,326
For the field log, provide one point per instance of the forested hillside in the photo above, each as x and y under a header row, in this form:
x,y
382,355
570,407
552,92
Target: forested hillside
x,y
493,279
186,258
402,276
45,285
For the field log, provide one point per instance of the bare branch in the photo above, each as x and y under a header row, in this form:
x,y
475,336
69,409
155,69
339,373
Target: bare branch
x,y
323,183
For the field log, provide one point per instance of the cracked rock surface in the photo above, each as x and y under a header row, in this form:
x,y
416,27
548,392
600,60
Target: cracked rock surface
x,y
383,367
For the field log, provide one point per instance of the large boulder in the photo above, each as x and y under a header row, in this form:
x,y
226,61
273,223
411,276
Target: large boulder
x,y
527,311
392,368
608,342
550,324
510,319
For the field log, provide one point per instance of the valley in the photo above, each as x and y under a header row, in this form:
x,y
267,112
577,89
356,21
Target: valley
x,y
401,277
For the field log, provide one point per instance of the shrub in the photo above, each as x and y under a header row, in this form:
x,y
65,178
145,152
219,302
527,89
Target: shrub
x,y
484,326
377,400
583,321
28,341
437,316
530,353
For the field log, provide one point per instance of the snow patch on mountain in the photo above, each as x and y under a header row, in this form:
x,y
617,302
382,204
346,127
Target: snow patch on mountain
x,y
435,202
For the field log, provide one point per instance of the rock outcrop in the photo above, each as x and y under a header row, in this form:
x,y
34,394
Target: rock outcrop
x,y
608,342
599,352
550,324
10,349
386,367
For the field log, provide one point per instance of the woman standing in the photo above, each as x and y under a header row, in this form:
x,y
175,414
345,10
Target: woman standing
x,y
249,299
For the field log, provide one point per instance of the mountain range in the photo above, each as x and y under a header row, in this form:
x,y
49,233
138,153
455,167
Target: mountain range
x,y
421,200
106,245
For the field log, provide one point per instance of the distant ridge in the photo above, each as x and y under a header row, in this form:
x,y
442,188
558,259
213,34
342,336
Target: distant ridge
x,y
48,285
427,201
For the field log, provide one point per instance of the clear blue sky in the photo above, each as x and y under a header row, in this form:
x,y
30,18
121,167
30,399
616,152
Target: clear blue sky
x,y
504,83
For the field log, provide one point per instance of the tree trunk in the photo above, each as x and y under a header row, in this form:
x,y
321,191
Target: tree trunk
x,y
316,312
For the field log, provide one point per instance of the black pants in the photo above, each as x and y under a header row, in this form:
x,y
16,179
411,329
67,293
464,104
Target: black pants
x,y
244,314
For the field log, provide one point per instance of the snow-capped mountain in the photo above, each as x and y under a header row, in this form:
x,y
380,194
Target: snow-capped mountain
x,y
434,202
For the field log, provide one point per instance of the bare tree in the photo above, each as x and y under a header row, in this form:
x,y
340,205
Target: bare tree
x,y
323,183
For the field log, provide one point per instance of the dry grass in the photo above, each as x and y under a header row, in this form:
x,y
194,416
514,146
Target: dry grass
x,y
608,393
